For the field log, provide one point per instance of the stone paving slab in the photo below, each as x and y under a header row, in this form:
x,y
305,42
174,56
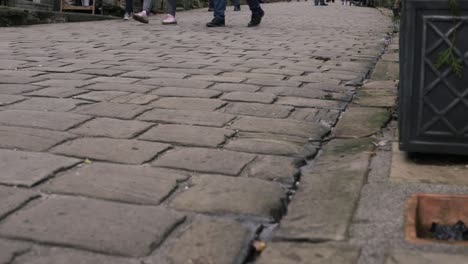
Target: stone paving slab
x,y
24,138
46,120
205,160
210,241
58,92
122,111
186,117
15,89
185,92
56,255
188,135
129,230
199,104
275,168
6,99
216,194
29,168
13,198
271,147
258,110
115,150
48,104
370,121
305,253
418,257
112,128
130,184
10,249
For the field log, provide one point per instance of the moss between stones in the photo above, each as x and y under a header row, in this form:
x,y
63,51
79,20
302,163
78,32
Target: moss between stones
x,y
350,146
379,119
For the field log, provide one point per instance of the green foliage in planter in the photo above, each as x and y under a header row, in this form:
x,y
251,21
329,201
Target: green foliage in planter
x,y
448,58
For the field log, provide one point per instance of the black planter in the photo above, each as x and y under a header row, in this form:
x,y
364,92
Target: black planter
x,y
433,103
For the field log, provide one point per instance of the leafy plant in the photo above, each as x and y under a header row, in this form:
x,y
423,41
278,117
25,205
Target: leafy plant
x,y
448,57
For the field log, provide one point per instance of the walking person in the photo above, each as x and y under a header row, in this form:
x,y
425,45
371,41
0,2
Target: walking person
x,y
128,9
235,3
169,19
220,8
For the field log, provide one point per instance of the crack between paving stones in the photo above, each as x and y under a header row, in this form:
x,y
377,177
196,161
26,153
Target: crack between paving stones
x,y
20,206
18,254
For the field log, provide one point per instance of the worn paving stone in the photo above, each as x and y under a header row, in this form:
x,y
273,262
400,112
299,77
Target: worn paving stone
x,y
205,160
10,249
99,96
258,110
210,241
48,104
113,80
216,78
215,194
185,92
15,89
284,127
20,73
308,93
271,146
57,92
123,87
33,139
424,257
186,117
56,255
20,80
265,98
114,110
113,128
116,150
111,228
48,120
386,70
306,253
275,168
426,169
332,188
101,72
124,183
313,103
167,82
323,116
200,104
266,82
63,83
188,135
361,122
12,199
155,74
6,99
135,98
66,76
29,168
235,87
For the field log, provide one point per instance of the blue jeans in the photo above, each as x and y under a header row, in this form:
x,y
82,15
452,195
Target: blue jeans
x,y
234,2
129,6
220,7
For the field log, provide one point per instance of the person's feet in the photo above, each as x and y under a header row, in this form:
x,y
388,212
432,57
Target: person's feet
x,y
169,20
216,22
127,16
141,17
237,8
256,19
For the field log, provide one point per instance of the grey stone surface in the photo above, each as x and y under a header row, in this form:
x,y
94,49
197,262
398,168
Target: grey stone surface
x,y
47,120
210,241
186,117
205,160
199,84
231,87
17,88
13,198
331,187
419,257
215,194
116,150
271,146
6,99
56,255
48,104
131,184
99,96
200,104
275,168
258,110
9,249
188,135
109,127
123,111
34,139
124,87
29,168
361,122
265,98
305,253
185,92
284,127
111,228
59,92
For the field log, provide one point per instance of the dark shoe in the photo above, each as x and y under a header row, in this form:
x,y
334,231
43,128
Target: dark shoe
x,y
256,19
141,17
210,9
323,4
216,22
236,8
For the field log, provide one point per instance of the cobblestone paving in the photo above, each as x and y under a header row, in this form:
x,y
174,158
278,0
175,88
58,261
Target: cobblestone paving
x,y
129,143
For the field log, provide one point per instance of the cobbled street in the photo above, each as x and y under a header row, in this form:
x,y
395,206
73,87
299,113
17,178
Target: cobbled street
x,y
122,142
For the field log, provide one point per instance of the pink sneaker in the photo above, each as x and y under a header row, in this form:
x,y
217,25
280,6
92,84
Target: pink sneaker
x,y
141,17
169,20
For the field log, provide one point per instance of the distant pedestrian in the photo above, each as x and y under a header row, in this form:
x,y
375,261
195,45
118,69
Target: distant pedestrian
x,y
169,19
235,3
220,8
320,2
